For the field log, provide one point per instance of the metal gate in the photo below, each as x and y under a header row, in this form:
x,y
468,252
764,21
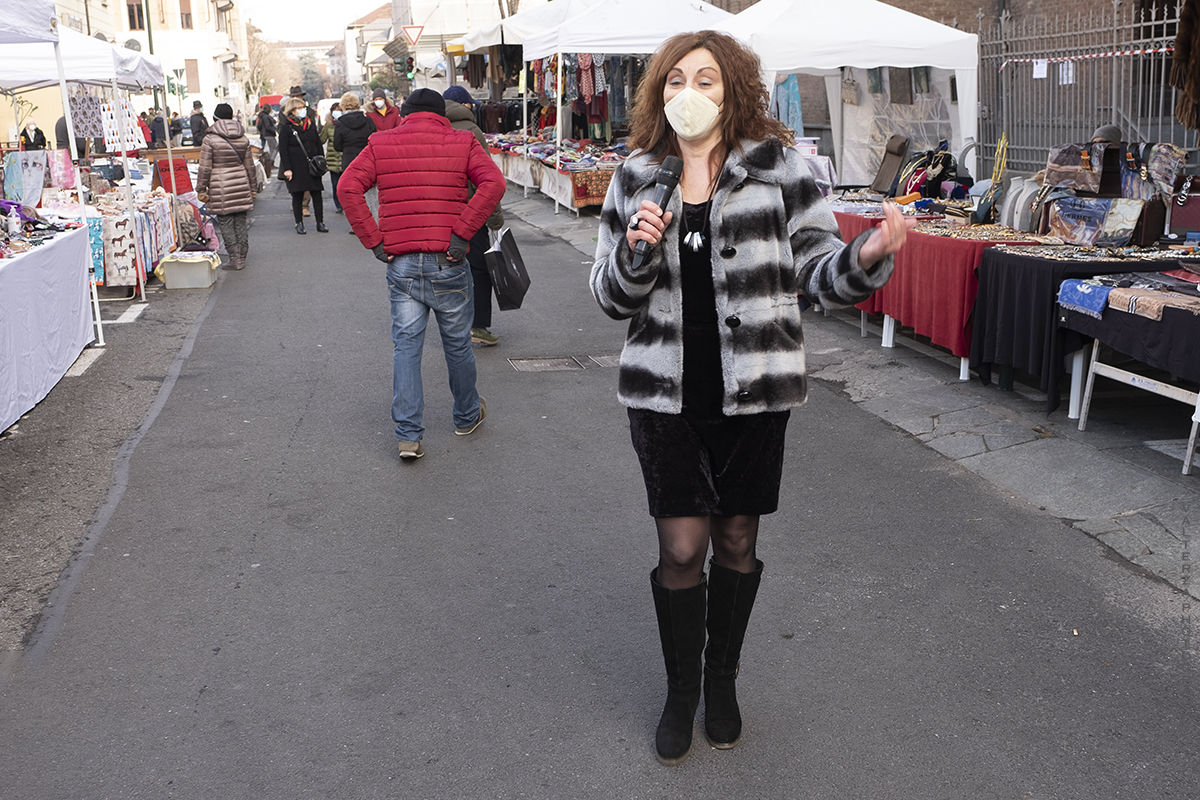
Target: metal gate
x,y
1048,81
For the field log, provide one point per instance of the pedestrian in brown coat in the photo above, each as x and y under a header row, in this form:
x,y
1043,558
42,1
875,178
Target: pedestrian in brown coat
x,y
227,177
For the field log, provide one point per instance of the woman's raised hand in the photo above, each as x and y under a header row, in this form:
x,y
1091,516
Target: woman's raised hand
x,y
887,238
647,225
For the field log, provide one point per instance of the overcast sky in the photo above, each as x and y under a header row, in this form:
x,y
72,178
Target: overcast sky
x,y
304,20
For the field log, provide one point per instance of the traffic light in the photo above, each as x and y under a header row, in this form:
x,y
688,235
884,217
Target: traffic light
x,y
409,69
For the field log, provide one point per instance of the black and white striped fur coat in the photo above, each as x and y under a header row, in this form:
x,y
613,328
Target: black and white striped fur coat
x,y
773,236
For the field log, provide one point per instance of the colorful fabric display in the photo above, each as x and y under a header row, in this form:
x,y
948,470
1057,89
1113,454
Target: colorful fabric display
x,y
87,115
62,171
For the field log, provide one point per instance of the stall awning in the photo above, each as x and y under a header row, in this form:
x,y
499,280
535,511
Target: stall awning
x,y
607,26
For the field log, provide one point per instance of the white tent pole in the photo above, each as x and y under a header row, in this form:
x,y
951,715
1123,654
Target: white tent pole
x,y
558,123
170,160
525,111
66,101
125,139
833,93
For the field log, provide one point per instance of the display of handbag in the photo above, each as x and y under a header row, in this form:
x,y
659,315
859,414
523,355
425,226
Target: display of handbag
x,y
925,172
1184,209
989,204
187,227
510,280
1089,169
1095,221
1136,183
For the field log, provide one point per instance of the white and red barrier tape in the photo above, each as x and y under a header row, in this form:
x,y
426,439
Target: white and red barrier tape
x,y
1061,59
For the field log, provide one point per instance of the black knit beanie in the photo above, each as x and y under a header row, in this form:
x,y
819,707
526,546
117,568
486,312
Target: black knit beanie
x,y
223,111
423,100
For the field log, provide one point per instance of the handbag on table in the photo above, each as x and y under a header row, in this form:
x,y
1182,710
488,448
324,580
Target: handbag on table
x,y
510,280
1184,208
1076,166
993,197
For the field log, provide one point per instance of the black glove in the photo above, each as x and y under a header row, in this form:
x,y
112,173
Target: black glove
x,y
380,254
458,247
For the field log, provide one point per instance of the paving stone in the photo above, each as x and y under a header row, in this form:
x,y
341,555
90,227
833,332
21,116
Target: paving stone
x,y
1125,543
958,445
1096,527
1070,479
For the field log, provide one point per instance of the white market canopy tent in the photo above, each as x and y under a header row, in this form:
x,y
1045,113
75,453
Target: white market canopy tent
x,y
618,27
815,37
28,21
514,29
86,60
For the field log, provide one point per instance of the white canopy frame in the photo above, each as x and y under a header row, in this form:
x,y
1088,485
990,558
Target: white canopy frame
x,y
25,65
35,23
813,37
594,26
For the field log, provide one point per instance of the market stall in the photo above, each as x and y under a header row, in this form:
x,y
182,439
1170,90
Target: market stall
x,y
109,72
1158,327
45,320
795,36
45,316
573,43
1016,322
934,284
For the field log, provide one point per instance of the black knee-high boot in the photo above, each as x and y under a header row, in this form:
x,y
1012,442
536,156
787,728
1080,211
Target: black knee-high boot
x,y
681,628
730,599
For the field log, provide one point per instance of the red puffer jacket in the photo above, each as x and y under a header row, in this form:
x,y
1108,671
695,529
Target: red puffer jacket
x,y
422,167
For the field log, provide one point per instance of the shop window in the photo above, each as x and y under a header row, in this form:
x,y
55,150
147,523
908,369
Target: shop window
x,y
137,15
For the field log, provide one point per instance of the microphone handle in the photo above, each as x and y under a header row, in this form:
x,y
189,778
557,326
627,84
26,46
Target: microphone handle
x,y
662,194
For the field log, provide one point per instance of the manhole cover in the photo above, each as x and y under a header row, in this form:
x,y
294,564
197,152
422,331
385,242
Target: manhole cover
x,y
545,364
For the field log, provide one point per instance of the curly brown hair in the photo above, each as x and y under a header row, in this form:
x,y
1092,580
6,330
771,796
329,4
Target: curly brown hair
x,y
743,114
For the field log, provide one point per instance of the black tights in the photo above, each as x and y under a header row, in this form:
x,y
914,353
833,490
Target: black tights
x,y
318,207
683,544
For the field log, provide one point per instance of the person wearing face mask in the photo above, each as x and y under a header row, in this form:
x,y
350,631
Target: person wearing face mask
x,y
32,137
714,358
300,140
198,123
333,158
382,111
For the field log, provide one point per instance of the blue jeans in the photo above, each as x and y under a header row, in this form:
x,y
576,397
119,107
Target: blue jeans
x,y
418,285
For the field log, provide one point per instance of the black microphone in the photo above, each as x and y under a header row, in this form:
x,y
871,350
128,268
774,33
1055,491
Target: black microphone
x,y
668,179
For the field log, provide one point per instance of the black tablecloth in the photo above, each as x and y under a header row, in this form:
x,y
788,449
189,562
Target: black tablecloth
x,y
1015,320
1168,344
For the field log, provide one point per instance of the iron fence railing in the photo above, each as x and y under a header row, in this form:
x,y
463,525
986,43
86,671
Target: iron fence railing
x,y
1054,80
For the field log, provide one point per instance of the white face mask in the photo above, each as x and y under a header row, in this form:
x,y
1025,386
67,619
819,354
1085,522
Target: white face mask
x,y
380,103
692,115
337,115
31,128
301,113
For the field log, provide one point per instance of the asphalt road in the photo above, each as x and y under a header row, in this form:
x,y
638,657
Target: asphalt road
x,y
275,607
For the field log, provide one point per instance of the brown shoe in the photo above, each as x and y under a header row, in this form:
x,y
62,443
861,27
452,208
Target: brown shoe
x,y
471,428
411,450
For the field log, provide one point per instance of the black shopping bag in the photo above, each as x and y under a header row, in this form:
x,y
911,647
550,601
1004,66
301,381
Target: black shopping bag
x,y
507,271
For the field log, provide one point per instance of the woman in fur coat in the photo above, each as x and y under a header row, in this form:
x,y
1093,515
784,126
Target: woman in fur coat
x,y
714,358
300,140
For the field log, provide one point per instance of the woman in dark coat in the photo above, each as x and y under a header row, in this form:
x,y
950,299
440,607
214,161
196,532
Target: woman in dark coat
x,y
299,140
351,131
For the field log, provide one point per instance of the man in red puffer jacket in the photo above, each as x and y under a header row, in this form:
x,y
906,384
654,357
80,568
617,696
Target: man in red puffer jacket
x,y
422,168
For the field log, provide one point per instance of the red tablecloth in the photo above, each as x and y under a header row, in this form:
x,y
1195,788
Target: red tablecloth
x,y
934,285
